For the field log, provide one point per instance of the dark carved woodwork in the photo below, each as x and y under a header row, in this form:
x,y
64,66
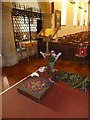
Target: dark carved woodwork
x,y
68,50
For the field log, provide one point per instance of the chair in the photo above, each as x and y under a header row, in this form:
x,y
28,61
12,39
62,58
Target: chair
x,y
81,54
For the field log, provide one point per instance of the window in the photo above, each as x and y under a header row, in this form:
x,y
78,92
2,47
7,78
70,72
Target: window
x,y
24,23
63,12
75,12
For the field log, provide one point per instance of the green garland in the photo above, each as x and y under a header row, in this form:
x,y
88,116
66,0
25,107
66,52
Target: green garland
x,y
75,80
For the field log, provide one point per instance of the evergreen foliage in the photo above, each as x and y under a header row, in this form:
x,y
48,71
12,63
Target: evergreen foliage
x,y
75,80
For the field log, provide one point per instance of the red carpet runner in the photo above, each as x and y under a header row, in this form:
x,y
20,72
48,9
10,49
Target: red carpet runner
x,y
67,101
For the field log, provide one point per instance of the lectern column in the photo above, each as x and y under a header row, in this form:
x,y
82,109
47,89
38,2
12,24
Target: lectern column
x,y
9,53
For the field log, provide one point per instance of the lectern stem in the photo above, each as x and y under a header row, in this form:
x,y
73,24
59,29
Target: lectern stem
x,y
47,47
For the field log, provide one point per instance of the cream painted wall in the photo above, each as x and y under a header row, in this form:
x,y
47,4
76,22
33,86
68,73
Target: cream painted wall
x,y
69,28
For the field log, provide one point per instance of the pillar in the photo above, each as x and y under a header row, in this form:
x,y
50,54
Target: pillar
x,y
46,16
9,53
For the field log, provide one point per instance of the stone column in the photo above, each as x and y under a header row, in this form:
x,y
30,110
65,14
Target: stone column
x,y
9,53
46,16
46,19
